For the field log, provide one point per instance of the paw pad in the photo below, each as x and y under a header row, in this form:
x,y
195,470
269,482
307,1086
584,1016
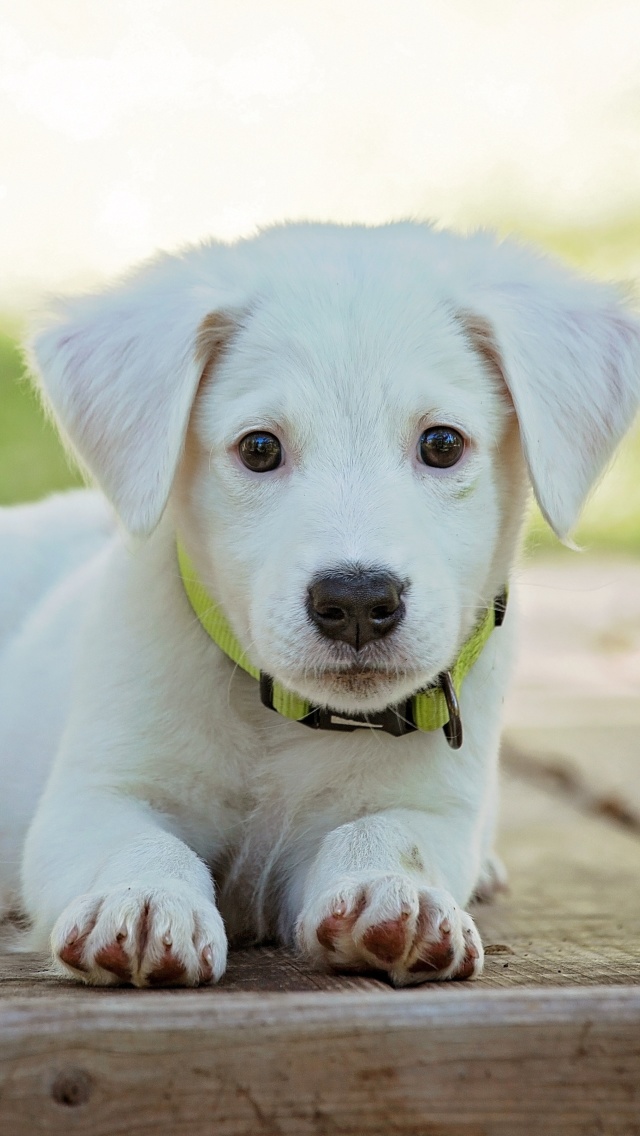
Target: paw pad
x,y
387,941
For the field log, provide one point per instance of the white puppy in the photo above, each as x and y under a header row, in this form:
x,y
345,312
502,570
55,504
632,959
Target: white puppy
x,y
337,427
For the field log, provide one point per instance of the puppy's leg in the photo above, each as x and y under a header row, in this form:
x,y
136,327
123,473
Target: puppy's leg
x,y
380,895
120,898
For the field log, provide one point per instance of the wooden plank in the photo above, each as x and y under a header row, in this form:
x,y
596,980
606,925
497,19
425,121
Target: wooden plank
x,y
473,1063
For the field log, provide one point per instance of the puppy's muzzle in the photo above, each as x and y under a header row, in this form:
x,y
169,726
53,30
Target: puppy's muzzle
x,y
356,605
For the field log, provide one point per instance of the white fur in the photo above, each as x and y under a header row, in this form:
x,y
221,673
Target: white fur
x,y
165,768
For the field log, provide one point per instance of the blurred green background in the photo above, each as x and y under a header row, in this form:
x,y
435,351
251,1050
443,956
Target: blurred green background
x,y
33,463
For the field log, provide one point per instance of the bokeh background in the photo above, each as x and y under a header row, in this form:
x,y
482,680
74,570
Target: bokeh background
x,y
141,124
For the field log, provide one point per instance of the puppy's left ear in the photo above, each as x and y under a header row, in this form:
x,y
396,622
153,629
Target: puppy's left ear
x,y
119,372
569,354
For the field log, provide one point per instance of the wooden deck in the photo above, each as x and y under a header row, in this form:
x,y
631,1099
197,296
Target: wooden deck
x,y
546,1043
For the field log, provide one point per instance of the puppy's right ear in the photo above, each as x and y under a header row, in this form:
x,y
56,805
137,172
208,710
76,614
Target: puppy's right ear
x,y
120,371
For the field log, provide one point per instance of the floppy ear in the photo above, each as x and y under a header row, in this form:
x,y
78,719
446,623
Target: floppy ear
x,y
120,372
569,354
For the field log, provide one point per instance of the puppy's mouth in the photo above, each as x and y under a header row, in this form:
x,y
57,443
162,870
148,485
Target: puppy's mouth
x,y
356,680
360,681
350,671
355,686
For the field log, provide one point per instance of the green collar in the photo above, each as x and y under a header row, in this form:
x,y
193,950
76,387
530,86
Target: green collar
x,y
434,708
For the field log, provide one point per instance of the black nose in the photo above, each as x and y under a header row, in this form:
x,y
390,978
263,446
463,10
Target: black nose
x,y
356,606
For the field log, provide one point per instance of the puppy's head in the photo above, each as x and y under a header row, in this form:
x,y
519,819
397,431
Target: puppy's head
x,y
343,420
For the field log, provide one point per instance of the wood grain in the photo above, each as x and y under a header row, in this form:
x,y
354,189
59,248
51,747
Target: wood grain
x,y
498,1063
492,1062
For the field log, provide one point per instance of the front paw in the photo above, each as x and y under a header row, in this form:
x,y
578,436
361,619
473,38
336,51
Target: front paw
x,y
145,936
385,922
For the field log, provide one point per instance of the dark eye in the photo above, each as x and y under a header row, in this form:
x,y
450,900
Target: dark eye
x,y
260,452
441,446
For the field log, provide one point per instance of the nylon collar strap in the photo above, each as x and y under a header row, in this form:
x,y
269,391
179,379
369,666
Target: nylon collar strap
x,y
434,708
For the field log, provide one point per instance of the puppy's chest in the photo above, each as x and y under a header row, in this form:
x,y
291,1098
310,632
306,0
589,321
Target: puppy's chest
x,y
290,779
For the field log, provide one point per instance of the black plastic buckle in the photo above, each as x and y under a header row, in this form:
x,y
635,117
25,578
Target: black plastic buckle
x,y
395,720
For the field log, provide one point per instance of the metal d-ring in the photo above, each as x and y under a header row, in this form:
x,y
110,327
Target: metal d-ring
x,y
452,728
